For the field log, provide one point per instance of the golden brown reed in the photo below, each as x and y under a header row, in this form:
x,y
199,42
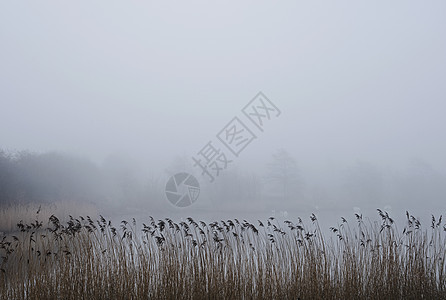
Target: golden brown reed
x,y
233,259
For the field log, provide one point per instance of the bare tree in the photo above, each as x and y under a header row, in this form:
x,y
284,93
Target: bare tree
x,y
283,171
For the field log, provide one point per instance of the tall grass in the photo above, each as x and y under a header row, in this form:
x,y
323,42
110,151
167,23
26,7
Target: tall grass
x,y
11,214
233,259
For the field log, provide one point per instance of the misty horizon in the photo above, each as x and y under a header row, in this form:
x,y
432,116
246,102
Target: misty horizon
x,y
142,88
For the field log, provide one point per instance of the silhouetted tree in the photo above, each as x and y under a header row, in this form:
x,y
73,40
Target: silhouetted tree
x,y
283,171
48,177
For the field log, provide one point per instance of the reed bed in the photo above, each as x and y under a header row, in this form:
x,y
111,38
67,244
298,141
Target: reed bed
x,y
233,259
13,213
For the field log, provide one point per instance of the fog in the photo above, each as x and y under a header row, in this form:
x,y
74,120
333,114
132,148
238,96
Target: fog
x,y
136,90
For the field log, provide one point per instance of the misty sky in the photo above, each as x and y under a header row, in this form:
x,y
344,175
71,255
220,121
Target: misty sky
x,y
156,79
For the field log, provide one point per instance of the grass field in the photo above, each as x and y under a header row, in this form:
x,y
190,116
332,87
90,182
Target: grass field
x,y
234,259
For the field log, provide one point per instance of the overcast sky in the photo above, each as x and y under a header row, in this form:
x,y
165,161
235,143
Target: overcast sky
x,y
155,79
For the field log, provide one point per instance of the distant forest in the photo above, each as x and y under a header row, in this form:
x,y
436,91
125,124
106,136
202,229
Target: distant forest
x,y
27,177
